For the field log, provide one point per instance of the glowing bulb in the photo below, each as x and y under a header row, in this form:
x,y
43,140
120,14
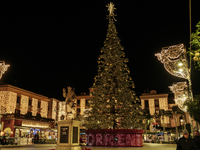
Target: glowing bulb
x,y
181,70
180,64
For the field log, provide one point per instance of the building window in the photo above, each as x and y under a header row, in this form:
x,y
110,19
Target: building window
x,y
78,102
86,103
18,100
30,102
146,104
156,101
39,104
78,110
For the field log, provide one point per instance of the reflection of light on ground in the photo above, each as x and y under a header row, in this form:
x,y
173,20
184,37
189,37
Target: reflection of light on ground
x,y
147,146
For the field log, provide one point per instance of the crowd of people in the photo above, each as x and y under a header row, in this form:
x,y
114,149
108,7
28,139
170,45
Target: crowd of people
x,y
187,143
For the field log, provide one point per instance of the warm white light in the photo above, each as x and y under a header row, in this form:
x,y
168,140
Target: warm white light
x,y
54,109
62,110
7,102
171,57
44,110
181,70
3,68
34,106
24,104
180,64
180,90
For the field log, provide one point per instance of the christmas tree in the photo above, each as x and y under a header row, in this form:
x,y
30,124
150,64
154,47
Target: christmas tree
x,y
114,104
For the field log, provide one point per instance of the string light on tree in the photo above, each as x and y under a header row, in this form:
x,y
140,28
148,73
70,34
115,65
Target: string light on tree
x,y
114,104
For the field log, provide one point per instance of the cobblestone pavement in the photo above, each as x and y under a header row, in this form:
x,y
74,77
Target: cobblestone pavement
x,y
147,146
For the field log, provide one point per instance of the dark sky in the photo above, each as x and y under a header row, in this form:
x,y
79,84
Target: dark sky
x,y
51,43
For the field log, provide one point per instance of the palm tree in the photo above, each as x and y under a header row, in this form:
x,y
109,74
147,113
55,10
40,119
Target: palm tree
x,y
147,118
175,111
163,113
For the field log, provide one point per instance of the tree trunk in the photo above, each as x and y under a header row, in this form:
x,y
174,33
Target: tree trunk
x,y
146,129
176,126
163,123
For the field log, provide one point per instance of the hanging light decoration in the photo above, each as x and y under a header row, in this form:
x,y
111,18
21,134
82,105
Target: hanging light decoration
x,y
3,68
174,59
180,90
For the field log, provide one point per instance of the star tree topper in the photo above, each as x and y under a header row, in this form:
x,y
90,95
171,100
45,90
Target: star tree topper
x,y
111,10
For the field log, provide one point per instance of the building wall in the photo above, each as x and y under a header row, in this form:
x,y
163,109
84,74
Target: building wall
x,y
163,104
12,98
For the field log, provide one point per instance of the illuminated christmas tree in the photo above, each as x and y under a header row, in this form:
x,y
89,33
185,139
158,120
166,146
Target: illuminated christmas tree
x,y
114,104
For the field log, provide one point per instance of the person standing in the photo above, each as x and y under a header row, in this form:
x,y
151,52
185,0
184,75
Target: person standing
x,y
197,139
186,143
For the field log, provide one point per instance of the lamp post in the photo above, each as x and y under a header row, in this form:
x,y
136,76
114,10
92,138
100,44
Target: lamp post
x,y
174,59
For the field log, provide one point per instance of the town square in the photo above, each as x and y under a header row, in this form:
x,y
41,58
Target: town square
x,y
100,75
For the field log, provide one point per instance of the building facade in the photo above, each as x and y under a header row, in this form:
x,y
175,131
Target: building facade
x,y
154,102
24,113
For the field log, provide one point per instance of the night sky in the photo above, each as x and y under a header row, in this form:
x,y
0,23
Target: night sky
x,y
51,43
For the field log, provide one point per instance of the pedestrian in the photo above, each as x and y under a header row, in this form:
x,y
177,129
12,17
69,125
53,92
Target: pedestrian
x,y
197,139
186,143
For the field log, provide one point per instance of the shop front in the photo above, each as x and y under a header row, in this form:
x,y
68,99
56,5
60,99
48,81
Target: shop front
x,y
29,131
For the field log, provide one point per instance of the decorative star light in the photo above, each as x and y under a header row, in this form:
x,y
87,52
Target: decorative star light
x,y
111,10
180,90
3,68
174,59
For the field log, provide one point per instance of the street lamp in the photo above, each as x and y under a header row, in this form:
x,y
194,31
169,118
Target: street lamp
x,y
174,59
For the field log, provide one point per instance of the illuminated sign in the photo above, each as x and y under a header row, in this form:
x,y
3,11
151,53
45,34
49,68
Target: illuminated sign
x,y
35,124
115,137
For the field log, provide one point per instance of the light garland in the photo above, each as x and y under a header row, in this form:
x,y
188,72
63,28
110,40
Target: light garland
x,y
54,109
151,107
163,103
24,104
11,103
44,110
142,104
82,106
34,106
174,60
7,102
180,90
61,110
